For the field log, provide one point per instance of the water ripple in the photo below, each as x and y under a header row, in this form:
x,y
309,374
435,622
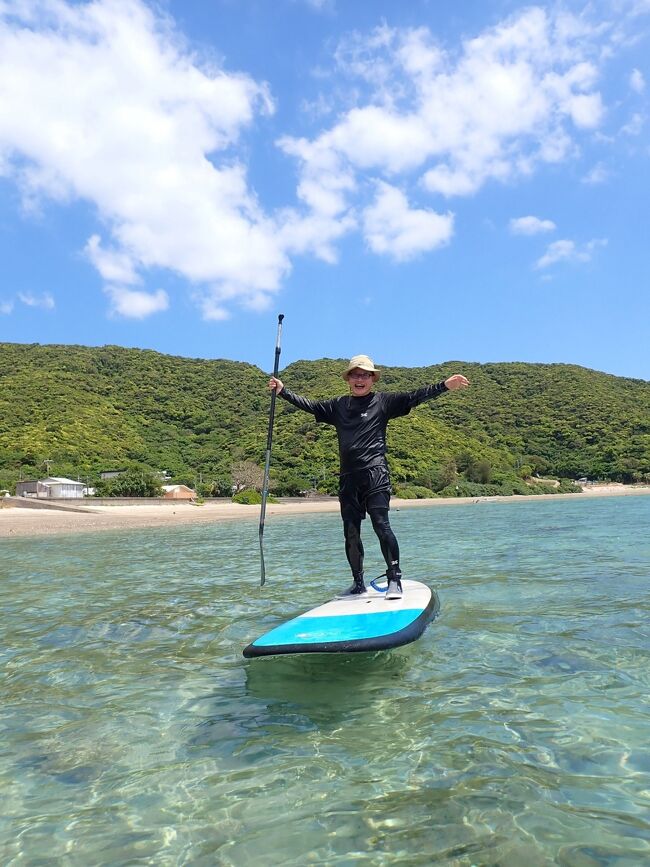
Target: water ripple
x,y
514,732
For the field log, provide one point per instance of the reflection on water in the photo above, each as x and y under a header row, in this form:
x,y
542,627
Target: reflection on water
x,y
354,683
513,732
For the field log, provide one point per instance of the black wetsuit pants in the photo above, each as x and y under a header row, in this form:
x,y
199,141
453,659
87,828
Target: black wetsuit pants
x,y
354,545
367,490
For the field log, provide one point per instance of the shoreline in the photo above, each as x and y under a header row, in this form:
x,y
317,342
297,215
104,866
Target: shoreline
x,y
18,522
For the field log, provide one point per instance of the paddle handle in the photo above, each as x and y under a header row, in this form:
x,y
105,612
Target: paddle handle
x,y
269,441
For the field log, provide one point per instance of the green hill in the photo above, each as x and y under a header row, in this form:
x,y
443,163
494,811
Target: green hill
x,y
90,409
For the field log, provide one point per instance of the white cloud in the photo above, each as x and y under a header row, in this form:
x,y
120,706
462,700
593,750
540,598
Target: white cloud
x,y
6,307
113,265
634,126
637,81
314,233
124,117
212,310
121,115
134,304
597,175
320,4
44,301
515,96
448,182
569,251
556,252
393,228
530,226
325,186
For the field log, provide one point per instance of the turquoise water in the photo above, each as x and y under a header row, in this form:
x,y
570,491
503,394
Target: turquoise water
x,y
516,731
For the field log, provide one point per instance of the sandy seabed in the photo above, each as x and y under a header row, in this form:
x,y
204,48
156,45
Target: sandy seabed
x,y
16,521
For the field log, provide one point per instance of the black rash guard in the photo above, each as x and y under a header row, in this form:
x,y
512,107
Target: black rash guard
x,y
361,422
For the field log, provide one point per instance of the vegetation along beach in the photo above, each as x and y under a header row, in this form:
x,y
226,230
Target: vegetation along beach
x,y
74,411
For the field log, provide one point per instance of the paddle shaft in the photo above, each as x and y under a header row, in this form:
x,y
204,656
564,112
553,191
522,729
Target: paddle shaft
x,y
269,440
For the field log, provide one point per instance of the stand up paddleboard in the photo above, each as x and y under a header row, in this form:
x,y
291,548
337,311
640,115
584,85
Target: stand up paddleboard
x,y
351,624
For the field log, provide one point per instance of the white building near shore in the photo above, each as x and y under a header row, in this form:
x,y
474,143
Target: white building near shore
x,y
52,487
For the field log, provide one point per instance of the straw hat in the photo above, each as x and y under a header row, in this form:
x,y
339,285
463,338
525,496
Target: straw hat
x,y
363,362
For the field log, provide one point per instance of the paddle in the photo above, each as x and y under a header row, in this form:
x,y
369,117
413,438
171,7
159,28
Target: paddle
x,y
269,439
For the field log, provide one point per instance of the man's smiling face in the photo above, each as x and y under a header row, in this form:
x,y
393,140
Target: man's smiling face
x,y
360,382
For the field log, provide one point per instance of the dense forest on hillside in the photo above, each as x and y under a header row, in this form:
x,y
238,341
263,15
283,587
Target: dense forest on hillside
x,y
76,411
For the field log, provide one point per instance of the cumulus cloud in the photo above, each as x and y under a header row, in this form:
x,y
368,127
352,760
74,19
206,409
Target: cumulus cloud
x,y
123,116
569,251
6,307
393,228
45,301
325,187
516,96
530,226
135,304
113,265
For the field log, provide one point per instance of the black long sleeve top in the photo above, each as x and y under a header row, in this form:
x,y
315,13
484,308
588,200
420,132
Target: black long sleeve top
x,y
361,422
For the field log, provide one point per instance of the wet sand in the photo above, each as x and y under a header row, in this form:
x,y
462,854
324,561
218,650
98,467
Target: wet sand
x,y
16,521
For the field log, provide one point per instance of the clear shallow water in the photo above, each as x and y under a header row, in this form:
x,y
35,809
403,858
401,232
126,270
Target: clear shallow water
x,y
516,731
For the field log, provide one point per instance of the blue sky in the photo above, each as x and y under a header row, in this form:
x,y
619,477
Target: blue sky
x,y
419,181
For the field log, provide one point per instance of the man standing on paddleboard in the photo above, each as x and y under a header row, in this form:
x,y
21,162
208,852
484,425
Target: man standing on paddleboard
x,y
360,419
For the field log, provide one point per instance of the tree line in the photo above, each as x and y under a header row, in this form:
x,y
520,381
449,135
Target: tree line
x,y
520,428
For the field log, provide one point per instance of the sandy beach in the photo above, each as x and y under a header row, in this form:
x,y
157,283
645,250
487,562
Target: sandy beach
x,y
87,517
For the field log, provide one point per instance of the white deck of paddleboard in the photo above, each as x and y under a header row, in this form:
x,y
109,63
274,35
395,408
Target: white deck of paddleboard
x,y
416,596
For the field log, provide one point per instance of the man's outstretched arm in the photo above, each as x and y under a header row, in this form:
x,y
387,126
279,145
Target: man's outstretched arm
x,y
401,403
319,408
